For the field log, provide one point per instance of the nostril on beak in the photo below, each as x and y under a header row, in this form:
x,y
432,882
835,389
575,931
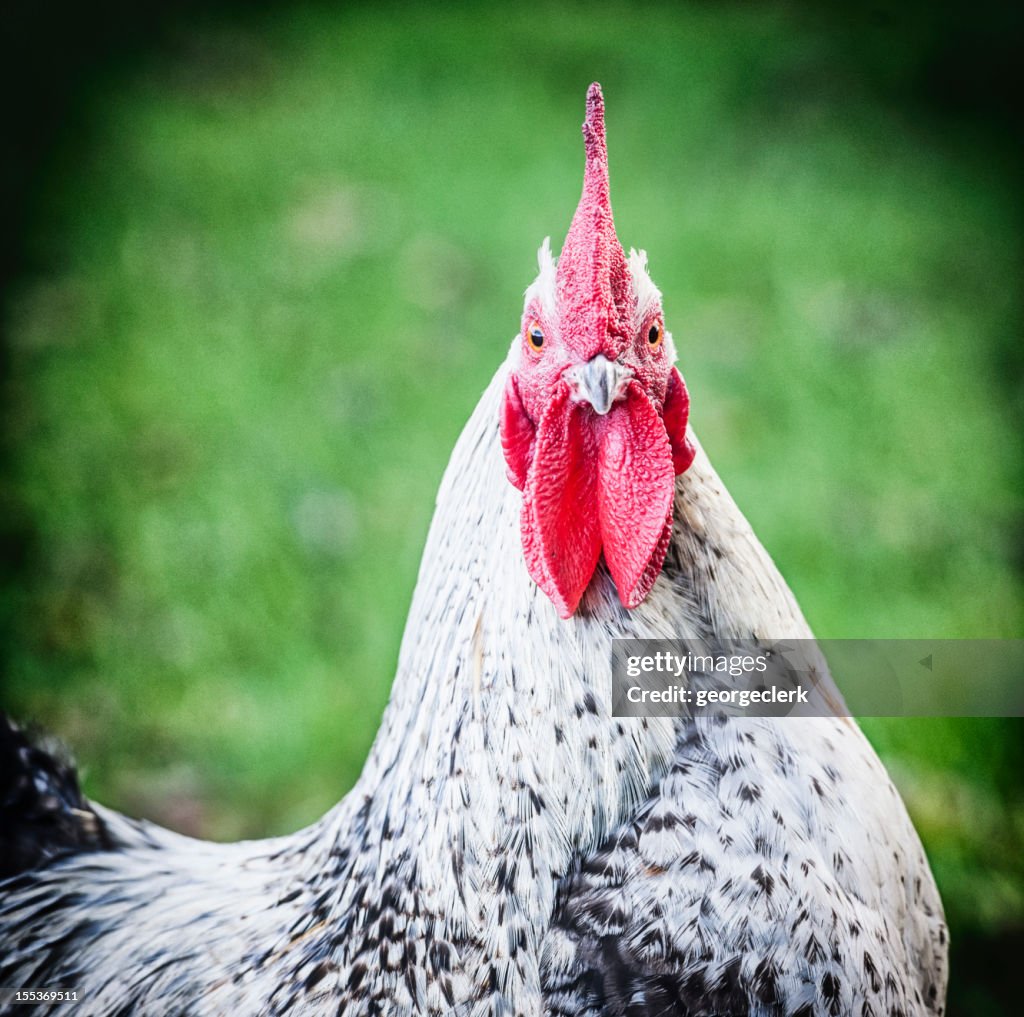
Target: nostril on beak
x,y
599,382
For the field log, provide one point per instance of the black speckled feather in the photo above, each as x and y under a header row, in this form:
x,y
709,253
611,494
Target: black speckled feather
x,y
43,813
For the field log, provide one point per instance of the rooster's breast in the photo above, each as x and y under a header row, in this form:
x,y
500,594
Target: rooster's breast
x,y
750,882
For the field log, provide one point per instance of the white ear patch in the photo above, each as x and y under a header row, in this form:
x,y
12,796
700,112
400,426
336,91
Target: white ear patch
x,y
647,294
542,288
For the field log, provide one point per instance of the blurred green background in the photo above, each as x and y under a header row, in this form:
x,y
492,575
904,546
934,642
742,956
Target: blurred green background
x,y
261,264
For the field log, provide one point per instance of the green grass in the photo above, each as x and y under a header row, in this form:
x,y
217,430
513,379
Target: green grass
x,y
282,256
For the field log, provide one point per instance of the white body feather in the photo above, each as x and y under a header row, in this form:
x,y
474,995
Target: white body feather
x,y
507,832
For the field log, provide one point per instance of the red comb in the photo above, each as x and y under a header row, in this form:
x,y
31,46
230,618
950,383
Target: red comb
x,y
593,276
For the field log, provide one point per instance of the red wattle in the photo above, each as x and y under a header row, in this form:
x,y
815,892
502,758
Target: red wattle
x,y
675,415
636,488
594,484
517,434
560,528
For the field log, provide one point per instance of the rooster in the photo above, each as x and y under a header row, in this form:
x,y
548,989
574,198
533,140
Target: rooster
x,y
511,847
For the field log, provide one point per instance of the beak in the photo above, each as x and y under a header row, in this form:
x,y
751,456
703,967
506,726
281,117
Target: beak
x,y
599,382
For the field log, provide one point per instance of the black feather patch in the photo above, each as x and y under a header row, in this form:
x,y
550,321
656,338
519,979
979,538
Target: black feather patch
x,y
43,813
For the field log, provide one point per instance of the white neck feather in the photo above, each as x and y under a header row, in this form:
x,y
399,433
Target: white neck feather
x,y
498,747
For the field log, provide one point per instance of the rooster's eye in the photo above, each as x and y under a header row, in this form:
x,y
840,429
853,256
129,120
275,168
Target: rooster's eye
x,y
536,336
655,335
